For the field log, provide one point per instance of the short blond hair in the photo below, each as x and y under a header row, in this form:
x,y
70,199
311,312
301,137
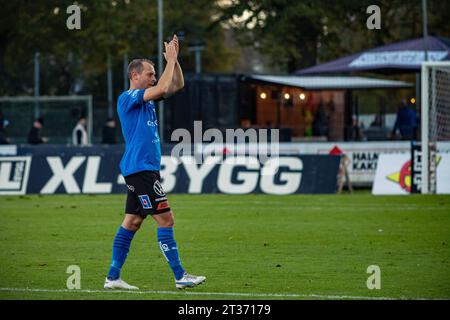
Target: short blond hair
x,y
137,65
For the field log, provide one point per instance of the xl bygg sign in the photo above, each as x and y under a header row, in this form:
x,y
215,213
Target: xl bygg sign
x,y
96,171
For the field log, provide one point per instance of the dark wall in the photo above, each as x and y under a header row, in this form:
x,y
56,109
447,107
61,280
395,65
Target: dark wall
x,y
213,99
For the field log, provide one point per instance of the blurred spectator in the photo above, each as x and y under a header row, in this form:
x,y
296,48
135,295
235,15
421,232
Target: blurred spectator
x,y
343,174
269,125
320,123
34,136
376,122
308,122
79,134
4,139
246,124
109,132
355,130
406,122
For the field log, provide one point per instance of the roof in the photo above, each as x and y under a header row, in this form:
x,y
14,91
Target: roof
x,y
398,57
328,83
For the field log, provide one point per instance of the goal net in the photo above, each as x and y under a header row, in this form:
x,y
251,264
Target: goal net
x,y
435,114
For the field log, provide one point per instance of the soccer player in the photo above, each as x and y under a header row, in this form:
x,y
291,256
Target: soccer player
x,y
140,165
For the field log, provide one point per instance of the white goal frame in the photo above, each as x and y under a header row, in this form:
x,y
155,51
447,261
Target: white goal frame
x,y
425,108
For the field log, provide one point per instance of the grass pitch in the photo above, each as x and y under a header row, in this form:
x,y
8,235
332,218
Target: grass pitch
x,y
249,247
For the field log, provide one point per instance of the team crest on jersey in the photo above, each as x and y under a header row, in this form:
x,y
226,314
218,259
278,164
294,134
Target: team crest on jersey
x,y
145,201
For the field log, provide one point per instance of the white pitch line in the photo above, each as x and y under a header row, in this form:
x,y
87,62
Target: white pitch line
x,y
231,294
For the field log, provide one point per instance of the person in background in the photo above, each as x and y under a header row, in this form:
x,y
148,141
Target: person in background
x,y
376,122
309,119
4,138
34,136
355,130
79,134
406,122
320,124
109,132
343,173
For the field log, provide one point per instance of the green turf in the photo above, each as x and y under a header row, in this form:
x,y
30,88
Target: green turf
x,y
255,244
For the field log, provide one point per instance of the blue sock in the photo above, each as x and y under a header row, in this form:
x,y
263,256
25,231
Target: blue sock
x,y
169,249
121,246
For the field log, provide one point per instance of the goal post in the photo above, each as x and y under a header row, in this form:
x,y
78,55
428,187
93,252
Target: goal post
x,y
435,118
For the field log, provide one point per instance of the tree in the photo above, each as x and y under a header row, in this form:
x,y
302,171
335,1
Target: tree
x,y
108,27
286,31
302,33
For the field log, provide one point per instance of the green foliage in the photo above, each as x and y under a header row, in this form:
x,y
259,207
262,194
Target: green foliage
x,y
294,34
297,34
128,27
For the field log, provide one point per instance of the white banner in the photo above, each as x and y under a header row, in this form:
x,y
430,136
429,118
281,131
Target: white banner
x,y
393,175
8,150
397,58
363,155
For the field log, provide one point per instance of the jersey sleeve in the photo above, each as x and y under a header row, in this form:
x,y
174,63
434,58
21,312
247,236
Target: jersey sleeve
x,y
131,99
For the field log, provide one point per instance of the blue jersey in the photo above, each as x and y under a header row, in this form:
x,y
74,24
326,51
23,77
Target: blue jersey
x,y
140,131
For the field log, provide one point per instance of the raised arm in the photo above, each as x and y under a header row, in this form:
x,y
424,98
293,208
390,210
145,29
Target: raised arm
x,y
163,86
178,78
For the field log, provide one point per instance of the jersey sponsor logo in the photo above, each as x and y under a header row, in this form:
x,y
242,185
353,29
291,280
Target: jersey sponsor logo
x,y
160,199
145,201
151,123
163,205
157,187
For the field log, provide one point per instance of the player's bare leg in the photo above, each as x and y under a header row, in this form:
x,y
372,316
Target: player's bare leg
x,y
132,222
